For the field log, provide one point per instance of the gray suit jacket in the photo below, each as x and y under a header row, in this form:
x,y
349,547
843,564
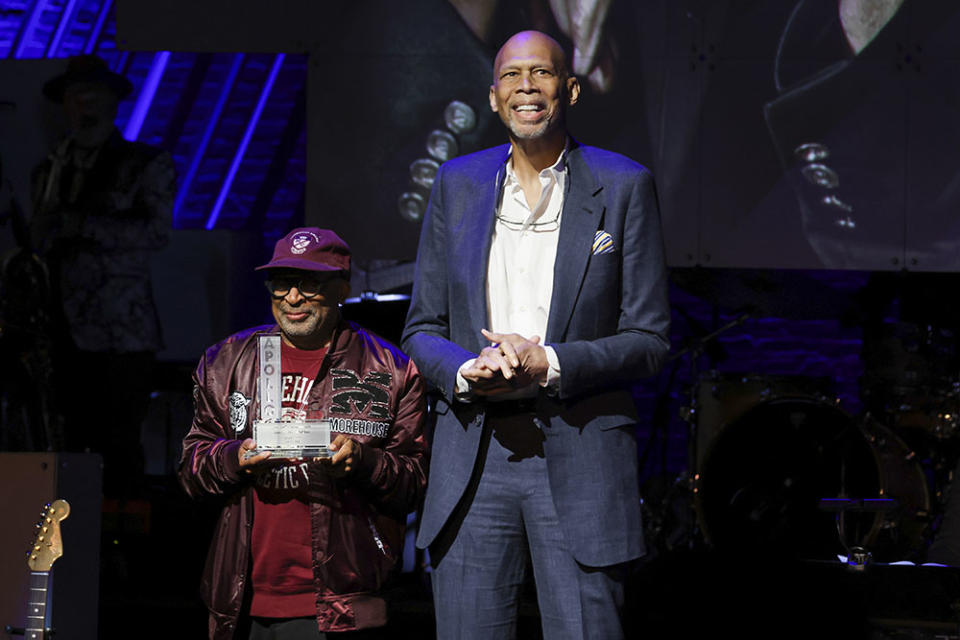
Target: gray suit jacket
x,y
608,322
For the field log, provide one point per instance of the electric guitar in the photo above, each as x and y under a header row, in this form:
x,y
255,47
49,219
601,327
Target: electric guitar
x,y
47,547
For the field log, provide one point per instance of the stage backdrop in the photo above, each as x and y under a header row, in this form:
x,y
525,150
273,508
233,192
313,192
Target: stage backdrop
x,y
795,133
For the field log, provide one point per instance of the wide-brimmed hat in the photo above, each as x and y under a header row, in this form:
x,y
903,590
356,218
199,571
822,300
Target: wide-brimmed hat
x,y
310,249
87,68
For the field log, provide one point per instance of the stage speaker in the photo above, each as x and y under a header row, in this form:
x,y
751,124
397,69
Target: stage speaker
x,y
30,481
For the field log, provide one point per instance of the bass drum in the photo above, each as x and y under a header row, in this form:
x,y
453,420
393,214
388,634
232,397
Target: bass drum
x,y
765,472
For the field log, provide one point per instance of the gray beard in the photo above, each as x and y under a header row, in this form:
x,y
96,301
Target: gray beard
x,y
539,132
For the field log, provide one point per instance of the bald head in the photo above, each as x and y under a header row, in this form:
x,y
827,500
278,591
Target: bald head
x,y
526,40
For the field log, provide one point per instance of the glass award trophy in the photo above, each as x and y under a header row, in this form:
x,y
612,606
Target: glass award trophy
x,y
284,438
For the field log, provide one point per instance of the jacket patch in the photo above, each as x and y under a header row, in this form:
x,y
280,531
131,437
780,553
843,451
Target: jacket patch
x,y
238,410
354,427
371,395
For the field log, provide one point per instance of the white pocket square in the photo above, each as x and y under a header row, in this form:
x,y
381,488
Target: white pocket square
x,y
602,243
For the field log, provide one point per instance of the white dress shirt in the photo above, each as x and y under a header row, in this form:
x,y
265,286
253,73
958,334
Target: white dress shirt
x,y
520,267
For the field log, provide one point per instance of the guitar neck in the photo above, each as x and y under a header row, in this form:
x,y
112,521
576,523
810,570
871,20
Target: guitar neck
x,y
47,547
36,624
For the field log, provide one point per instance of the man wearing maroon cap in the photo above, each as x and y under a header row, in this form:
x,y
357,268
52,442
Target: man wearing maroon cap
x,y
303,545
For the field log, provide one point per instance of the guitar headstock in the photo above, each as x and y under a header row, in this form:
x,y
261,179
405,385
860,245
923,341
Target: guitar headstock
x,y
48,545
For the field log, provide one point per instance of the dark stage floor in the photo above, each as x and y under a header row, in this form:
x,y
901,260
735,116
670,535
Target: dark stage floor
x,y
153,551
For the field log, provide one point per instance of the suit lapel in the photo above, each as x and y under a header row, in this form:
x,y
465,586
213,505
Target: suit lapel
x,y
582,216
476,241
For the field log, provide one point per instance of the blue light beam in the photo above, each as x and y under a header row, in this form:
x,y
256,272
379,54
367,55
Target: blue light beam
x,y
147,93
242,149
94,36
212,122
65,16
26,29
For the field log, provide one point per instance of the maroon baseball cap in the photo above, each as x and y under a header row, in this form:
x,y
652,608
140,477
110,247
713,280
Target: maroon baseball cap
x,y
310,249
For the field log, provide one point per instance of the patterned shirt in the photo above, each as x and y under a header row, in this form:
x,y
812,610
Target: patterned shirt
x,y
97,217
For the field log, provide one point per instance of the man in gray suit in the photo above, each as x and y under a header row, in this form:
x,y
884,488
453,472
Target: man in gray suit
x,y
540,296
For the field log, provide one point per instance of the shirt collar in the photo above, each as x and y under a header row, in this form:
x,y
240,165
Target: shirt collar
x,y
552,177
556,169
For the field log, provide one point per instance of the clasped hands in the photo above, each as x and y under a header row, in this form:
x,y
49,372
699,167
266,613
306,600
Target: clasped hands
x,y
344,460
511,362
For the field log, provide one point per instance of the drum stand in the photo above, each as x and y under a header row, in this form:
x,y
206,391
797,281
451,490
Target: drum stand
x,y
858,557
689,414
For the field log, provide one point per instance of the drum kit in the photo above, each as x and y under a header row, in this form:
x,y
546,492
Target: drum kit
x,y
780,464
777,465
